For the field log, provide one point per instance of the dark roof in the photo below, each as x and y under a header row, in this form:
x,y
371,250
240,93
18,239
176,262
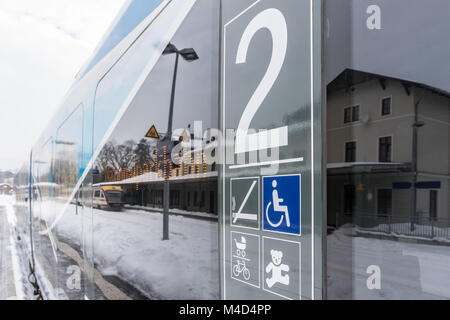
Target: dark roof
x,y
367,168
350,77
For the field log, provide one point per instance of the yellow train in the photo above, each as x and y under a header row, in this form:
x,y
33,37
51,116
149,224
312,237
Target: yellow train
x,y
108,197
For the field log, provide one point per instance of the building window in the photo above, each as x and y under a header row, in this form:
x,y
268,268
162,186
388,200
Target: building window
x,y
355,113
384,202
385,149
351,114
175,198
386,106
349,199
433,204
348,115
350,151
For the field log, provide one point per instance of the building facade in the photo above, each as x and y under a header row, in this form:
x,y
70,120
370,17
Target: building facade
x,y
370,151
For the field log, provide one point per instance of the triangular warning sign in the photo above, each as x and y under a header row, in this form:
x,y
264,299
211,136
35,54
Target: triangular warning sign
x,y
185,136
152,133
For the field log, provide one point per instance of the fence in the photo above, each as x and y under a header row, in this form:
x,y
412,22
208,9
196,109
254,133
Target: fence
x,y
438,229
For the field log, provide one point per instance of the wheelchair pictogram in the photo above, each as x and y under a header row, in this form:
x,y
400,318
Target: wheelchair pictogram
x,y
281,199
277,207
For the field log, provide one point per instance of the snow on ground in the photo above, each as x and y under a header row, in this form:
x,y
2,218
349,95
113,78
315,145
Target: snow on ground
x,y
18,251
408,270
194,214
128,244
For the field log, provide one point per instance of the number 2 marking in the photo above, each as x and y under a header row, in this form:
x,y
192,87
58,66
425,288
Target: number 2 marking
x,y
274,21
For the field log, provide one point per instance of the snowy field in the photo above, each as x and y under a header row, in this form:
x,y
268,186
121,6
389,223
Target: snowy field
x,y
128,244
13,254
408,270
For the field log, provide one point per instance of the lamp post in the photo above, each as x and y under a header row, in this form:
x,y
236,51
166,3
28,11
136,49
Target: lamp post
x,y
188,55
416,125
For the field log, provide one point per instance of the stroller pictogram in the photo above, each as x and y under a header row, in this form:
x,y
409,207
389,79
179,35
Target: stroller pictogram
x,y
240,266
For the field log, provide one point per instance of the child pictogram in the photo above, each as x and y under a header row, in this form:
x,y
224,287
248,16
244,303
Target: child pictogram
x,y
277,269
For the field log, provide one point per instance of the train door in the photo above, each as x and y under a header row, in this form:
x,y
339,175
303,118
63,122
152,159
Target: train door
x,y
42,213
71,218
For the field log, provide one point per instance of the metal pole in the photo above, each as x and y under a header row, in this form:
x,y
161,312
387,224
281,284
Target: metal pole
x,y
166,210
30,207
414,167
172,98
169,138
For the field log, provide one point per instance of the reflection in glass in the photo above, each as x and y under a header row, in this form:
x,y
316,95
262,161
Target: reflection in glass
x,y
144,253
388,169
135,13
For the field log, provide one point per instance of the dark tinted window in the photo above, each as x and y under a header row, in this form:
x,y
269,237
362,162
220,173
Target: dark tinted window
x,y
384,202
350,151
433,203
355,113
349,198
385,106
347,115
385,149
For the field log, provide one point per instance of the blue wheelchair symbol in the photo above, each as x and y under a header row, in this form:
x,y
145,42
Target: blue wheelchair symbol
x,y
281,203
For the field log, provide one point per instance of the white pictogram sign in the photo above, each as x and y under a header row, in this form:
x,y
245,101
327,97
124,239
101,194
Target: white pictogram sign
x,y
245,216
277,270
245,258
282,267
277,207
240,266
244,204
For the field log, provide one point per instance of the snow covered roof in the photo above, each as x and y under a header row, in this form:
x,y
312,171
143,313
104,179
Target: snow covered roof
x,y
351,77
358,167
152,177
354,164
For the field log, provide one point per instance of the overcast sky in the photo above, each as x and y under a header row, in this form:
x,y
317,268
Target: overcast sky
x,y
44,43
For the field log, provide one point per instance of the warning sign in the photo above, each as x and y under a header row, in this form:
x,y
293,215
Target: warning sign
x,y
152,133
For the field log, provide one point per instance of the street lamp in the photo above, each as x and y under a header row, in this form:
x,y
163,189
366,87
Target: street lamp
x,y
416,125
189,55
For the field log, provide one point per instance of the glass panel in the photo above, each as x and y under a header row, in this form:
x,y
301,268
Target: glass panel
x,y
394,244
42,191
113,92
147,162
57,211
67,218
